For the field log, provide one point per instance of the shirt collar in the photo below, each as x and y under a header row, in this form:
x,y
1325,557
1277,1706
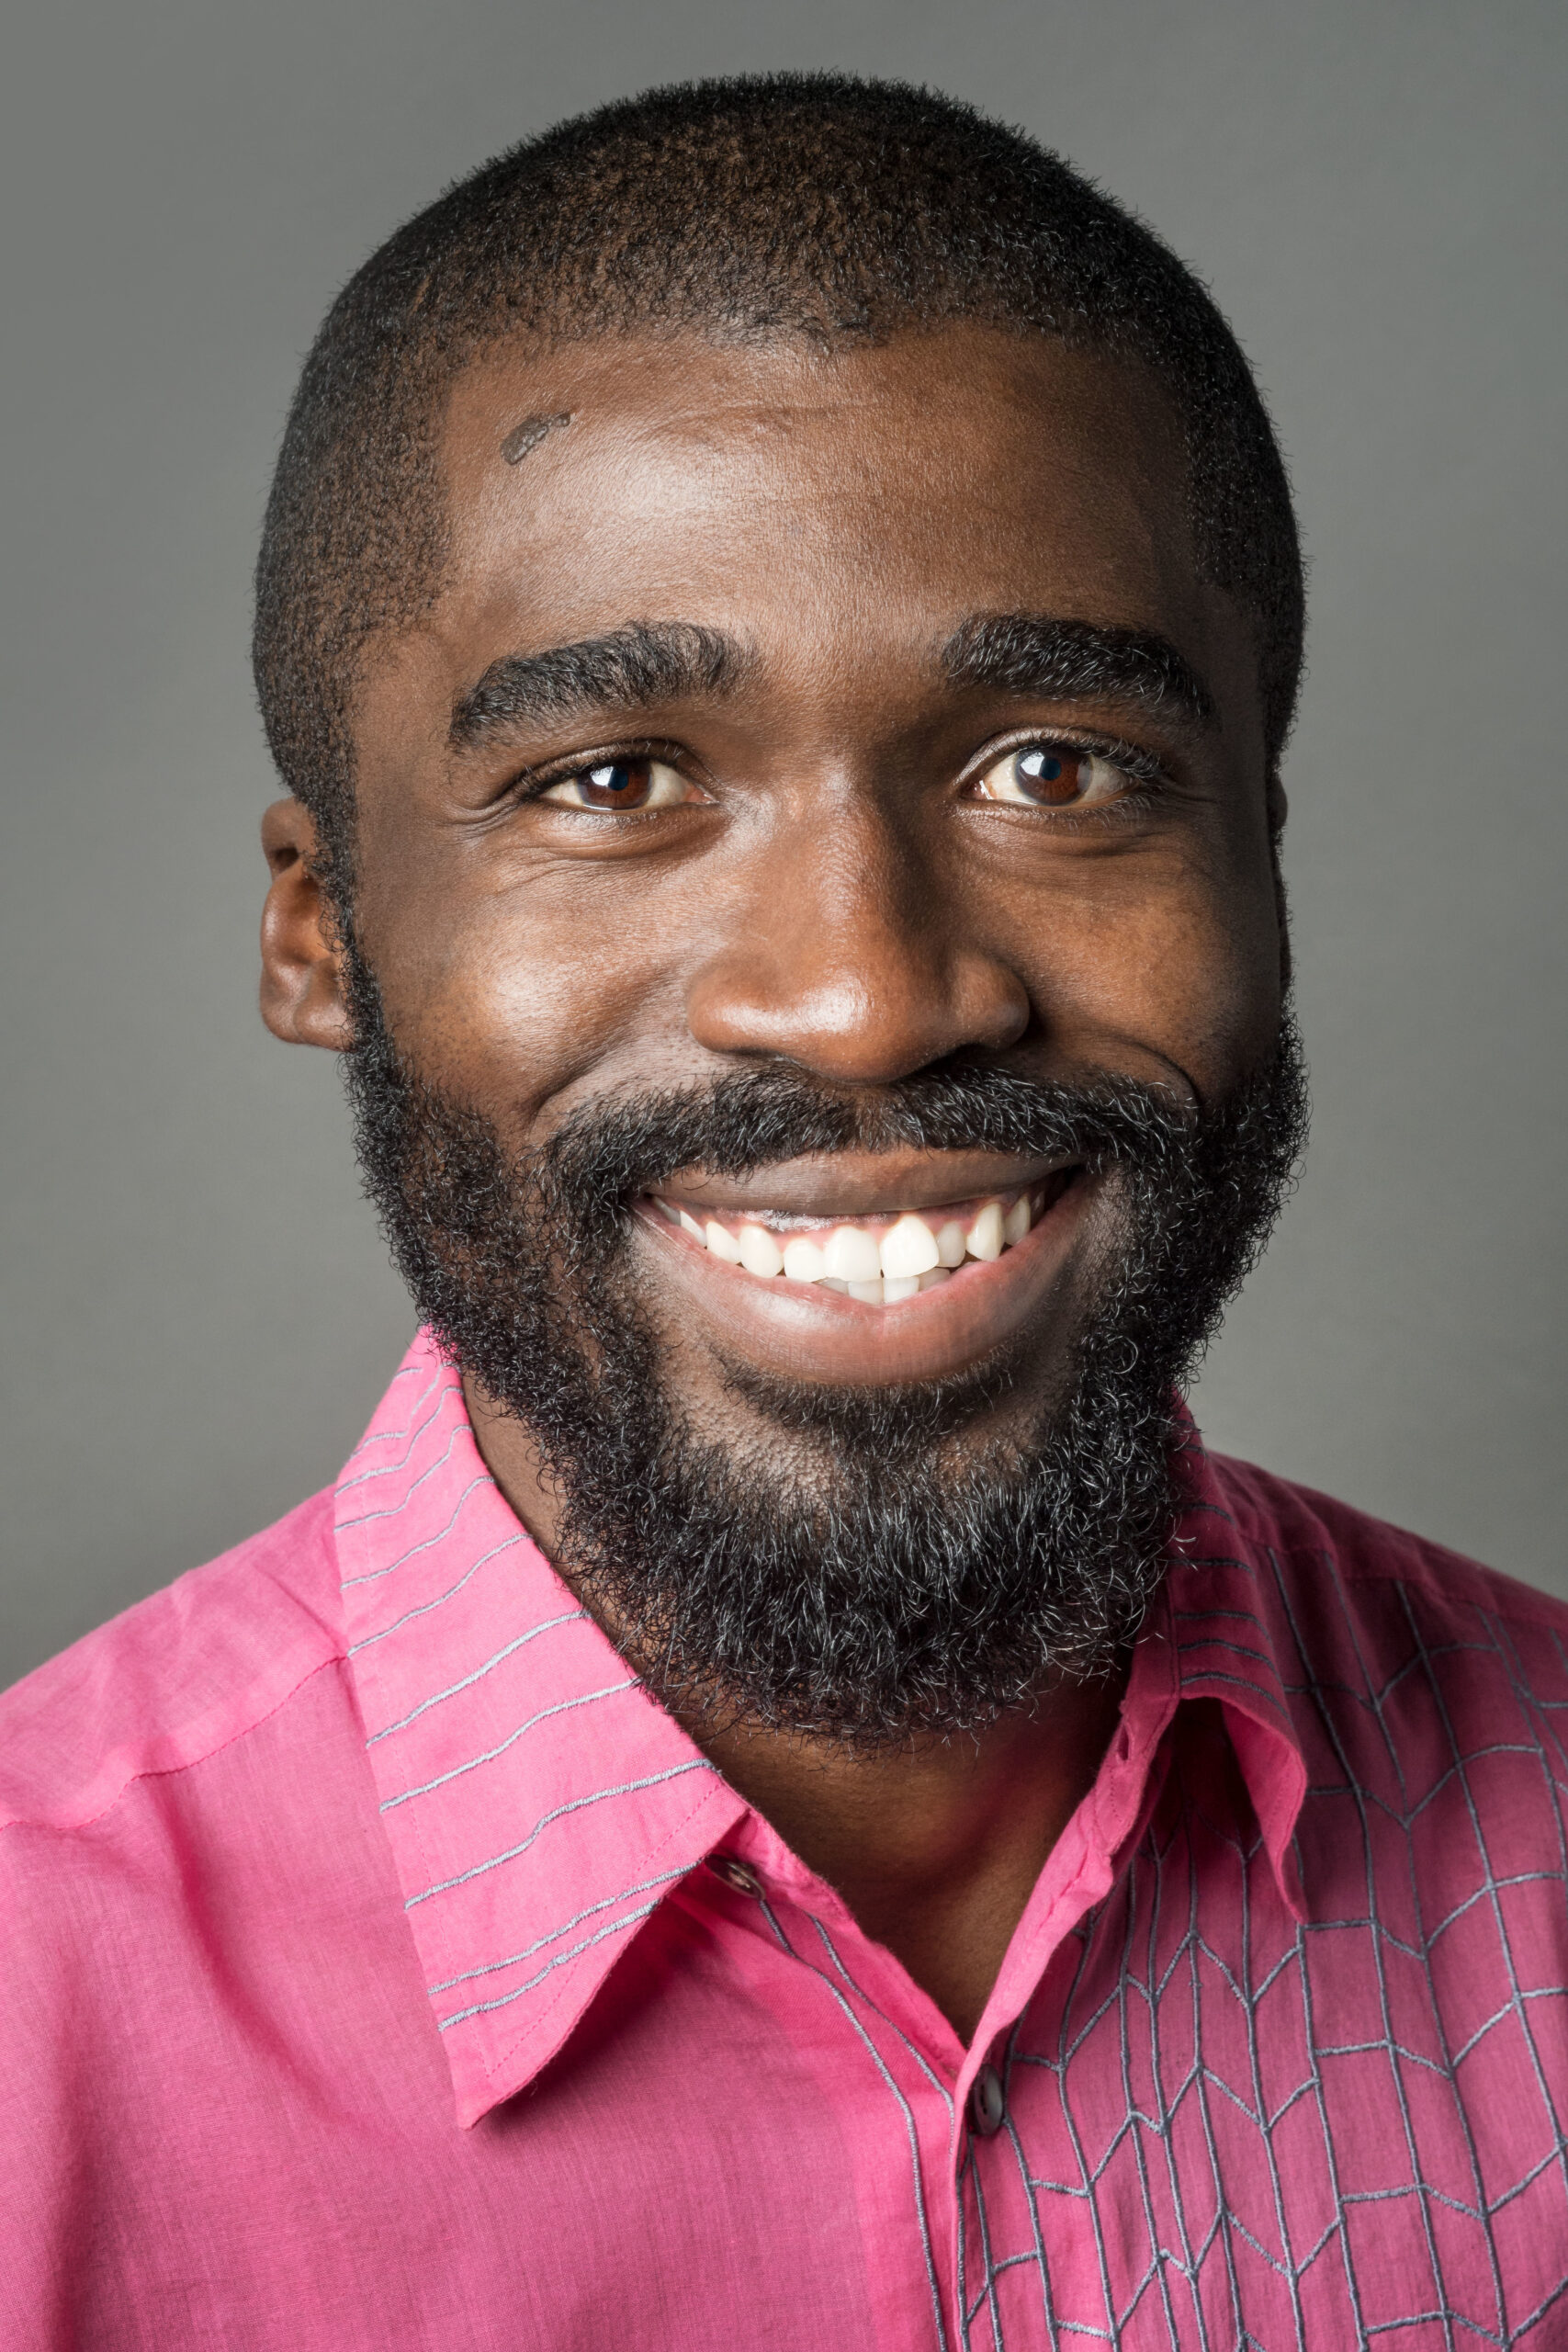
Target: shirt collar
x,y
539,1804
1219,1628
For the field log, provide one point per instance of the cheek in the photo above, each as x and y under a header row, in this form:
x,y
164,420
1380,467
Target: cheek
x,y
509,994
1182,967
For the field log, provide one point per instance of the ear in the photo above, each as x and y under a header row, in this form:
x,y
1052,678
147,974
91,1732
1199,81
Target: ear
x,y
1277,813
1278,807
301,991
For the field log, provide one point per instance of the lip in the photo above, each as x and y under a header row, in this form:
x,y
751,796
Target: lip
x,y
842,1186
803,1332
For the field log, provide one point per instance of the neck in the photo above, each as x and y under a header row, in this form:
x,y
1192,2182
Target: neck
x,y
934,1844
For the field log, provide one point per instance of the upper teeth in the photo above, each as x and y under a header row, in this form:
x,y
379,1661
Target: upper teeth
x,y
881,1263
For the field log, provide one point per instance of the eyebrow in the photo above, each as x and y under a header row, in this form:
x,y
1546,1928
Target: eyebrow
x,y
634,668
645,663
1036,653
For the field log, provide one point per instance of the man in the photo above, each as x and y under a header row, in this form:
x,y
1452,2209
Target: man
x,y
782,1799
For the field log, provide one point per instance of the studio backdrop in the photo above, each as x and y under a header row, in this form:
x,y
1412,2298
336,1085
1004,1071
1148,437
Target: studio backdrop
x,y
198,1316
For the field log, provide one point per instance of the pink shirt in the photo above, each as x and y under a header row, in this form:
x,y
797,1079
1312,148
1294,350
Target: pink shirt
x,y
386,1971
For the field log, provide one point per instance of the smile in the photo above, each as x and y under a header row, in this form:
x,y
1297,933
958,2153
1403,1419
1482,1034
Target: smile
x,y
880,1262
882,1294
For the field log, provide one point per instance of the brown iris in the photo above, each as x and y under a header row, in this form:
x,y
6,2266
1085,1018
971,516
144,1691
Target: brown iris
x,y
1052,774
619,783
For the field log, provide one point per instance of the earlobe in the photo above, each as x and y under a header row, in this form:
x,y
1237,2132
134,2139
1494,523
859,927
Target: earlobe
x,y
301,986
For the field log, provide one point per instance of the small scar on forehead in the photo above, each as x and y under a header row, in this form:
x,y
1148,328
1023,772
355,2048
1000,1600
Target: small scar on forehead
x,y
529,434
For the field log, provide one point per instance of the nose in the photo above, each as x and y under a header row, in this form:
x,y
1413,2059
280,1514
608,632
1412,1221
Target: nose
x,y
852,955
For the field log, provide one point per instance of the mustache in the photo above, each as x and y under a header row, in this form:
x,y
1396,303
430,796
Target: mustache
x,y
604,1154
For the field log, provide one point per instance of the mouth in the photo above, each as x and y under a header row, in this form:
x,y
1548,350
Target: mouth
x,y
877,1261
890,1294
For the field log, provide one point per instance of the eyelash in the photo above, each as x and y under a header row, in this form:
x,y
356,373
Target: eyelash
x,y
533,782
1143,767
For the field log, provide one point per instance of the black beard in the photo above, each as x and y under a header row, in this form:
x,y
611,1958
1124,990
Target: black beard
x,y
873,1567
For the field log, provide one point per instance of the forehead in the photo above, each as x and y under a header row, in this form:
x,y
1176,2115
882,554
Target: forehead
x,y
873,495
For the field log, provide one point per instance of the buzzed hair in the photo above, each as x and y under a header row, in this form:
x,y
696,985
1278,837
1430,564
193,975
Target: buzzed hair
x,y
813,205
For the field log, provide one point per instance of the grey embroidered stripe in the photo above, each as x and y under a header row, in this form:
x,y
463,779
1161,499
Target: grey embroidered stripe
x,y
557,1813
1011,2130
916,2053
1482,1895
561,1707
1193,1643
373,1576
391,1436
611,1928
515,1958
904,2108
1239,1682
368,1519
988,2294
570,1617
426,1607
390,1469
1248,1568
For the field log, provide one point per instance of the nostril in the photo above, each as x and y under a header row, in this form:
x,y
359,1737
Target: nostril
x,y
865,1021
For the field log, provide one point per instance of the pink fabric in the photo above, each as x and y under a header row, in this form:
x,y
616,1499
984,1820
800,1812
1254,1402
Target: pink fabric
x,y
366,1986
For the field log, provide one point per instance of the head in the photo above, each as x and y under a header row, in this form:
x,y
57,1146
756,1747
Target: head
x,y
778,616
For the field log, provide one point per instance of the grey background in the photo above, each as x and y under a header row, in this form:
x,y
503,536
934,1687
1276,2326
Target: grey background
x,y
197,1318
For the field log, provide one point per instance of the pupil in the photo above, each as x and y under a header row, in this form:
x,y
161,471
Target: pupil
x,y
622,780
1050,776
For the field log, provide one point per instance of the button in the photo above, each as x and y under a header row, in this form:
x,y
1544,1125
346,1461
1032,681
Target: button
x,y
735,1874
986,2105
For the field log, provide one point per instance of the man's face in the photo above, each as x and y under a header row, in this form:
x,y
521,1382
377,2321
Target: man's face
x,y
843,723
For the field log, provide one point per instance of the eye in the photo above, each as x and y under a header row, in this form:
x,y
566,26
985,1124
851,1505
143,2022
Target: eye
x,y
1054,776
637,784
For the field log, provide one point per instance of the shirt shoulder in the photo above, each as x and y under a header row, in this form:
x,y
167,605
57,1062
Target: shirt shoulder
x,y
1278,1515
175,1678
1392,1645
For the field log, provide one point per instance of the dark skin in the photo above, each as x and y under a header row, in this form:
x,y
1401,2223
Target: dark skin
x,y
819,875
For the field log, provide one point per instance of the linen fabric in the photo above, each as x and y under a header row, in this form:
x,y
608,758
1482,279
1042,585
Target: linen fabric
x,y
384,1968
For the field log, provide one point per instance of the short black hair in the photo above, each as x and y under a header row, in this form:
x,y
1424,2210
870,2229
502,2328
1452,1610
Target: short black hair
x,y
810,205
